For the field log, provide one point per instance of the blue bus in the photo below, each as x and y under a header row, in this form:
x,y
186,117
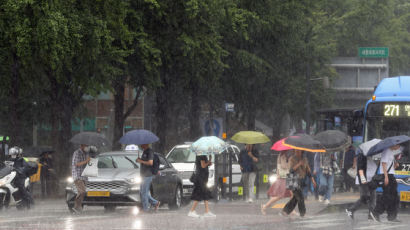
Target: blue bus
x,y
387,114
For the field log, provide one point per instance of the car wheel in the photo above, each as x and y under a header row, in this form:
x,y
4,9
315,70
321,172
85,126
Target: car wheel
x,y
177,200
110,208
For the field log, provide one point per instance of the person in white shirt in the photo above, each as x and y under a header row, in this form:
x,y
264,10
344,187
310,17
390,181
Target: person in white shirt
x,y
389,200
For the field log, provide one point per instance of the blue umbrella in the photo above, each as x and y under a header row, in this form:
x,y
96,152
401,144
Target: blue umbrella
x,y
138,137
366,146
387,143
208,145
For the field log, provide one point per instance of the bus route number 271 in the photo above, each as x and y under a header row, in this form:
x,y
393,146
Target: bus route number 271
x,y
391,110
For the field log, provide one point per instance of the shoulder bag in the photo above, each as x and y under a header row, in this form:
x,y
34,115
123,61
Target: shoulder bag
x,y
378,179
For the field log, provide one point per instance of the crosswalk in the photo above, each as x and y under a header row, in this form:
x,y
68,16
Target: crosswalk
x,y
336,221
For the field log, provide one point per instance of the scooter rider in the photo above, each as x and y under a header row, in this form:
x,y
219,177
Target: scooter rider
x,y
20,165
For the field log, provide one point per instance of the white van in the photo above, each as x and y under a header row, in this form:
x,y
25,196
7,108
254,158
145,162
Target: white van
x,y
183,160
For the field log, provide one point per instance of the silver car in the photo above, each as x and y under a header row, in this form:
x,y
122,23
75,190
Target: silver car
x,y
118,183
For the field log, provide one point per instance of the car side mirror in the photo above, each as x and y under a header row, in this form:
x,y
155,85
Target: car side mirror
x,y
161,167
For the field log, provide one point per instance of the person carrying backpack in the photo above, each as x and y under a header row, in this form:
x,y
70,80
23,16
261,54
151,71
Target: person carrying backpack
x,y
147,171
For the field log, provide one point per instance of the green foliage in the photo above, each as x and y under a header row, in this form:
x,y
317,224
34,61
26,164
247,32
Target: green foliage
x,y
256,54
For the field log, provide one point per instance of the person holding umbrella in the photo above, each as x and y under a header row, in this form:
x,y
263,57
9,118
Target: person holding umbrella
x,y
144,138
46,174
147,162
389,199
200,191
366,169
299,165
202,147
248,158
80,160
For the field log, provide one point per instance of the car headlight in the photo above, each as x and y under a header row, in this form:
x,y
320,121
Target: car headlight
x,y
135,180
273,178
70,180
209,185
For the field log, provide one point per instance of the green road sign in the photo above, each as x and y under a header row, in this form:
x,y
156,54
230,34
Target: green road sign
x,y
373,52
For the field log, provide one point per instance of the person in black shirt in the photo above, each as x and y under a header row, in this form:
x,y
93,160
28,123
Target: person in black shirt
x,y
248,158
348,162
146,161
46,175
201,191
366,169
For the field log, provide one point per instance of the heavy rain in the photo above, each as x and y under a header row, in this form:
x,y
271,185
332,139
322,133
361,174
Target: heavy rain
x,y
204,114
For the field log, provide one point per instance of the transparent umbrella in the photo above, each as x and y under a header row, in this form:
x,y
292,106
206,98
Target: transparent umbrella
x,y
208,145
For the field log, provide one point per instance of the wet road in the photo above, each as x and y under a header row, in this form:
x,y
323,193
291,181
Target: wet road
x,y
237,215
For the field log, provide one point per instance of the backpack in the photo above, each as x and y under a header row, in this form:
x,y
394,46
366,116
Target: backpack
x,y
155,165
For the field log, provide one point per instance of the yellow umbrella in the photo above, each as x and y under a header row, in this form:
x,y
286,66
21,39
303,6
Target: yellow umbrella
x,y
250,137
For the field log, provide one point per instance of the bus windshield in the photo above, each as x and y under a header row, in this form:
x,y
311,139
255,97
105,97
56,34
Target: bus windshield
x,y
379,125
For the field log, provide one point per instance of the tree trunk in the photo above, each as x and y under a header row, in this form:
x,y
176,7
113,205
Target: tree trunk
x,y
119,89
67,104
14,115
251,119
55,118
194,113
162,118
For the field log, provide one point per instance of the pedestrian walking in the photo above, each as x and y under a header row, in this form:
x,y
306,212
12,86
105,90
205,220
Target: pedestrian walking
x,y
46,174
327,171
201,191
316,174
366,169
248,158
146,171
299,165
278,189
389,201
309,185
79,162
348,162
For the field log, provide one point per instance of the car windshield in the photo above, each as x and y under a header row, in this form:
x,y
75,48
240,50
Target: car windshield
x,y
122,162
184,155
181,155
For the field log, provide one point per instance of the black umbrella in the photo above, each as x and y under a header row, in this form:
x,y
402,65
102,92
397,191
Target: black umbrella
x,y
333,140
304,142
90,138
138,137
37,151
387,143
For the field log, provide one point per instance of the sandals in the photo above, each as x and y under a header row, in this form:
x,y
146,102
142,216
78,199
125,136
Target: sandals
x,y
263,209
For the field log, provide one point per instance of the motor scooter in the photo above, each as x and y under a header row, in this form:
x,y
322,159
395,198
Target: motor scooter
x,y
9,192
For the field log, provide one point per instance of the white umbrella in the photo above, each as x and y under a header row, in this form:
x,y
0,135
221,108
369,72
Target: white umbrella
x,y
365,147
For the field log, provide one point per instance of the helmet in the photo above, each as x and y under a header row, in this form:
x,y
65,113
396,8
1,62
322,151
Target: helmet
x,y
15,152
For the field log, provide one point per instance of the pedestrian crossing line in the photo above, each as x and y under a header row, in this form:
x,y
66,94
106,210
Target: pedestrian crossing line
x,y
383,226
321,219
24,218
279,205
320,225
